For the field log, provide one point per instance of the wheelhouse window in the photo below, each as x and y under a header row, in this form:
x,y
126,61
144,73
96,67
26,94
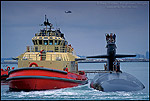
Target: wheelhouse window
x,y
35,42
65,43
55,42
62,42
50,42
59,42
40,42
45,42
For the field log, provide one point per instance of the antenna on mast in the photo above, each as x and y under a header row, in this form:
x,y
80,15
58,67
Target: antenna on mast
x,y
45,18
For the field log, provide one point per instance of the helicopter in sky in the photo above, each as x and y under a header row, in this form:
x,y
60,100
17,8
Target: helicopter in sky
x,y
68,12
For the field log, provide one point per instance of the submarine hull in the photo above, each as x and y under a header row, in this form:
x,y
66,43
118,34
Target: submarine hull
x,y
116,81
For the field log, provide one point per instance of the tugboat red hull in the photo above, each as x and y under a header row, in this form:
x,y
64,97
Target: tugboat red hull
x,y
37,78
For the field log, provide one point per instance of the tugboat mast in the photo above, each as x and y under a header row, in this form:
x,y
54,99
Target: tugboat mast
x,y
46,23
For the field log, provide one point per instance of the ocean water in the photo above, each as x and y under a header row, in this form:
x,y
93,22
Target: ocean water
x,y
138,69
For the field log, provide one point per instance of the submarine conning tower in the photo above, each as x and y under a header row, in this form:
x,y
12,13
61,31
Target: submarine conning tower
x,y
111,52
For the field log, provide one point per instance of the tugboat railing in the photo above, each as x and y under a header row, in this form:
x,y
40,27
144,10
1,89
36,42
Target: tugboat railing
x,y
45,57
34,53
47,49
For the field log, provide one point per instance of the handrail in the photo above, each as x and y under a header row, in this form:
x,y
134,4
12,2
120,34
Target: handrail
x,y
55,49
43,57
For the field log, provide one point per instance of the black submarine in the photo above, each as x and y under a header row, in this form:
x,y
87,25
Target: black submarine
x,y
112,78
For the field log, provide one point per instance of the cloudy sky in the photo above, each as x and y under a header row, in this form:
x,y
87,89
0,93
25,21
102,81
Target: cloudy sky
x,y
84,28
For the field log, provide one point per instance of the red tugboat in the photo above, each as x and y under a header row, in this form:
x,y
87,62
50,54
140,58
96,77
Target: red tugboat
x,y
49,64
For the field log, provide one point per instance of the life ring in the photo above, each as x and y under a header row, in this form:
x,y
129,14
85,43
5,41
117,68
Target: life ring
x,y
33,63
8,68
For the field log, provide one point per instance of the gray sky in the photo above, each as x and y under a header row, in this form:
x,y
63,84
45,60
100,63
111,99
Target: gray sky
x,y
84,28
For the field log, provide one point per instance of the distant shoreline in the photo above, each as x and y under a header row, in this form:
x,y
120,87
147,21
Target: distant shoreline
x,y
104,61
120,61
9,62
